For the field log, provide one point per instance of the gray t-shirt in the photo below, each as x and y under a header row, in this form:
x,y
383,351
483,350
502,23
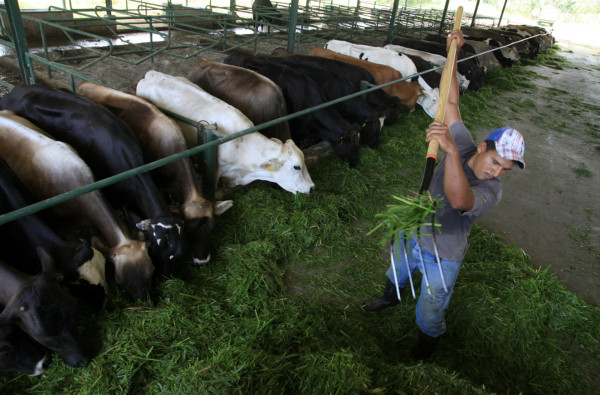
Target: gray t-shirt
x,y
456,224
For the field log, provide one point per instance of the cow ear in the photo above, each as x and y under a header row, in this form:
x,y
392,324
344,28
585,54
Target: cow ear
x,y
272,165
100,246
275,139
47,262
221,206
5,317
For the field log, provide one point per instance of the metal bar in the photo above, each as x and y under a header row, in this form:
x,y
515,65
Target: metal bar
x,y
390,33
423,270
475,13
412,286
209,162
501,13
394,270
20,40
443,21
292,25
437,256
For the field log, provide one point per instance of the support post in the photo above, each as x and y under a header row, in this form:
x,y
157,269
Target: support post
x,y
20,41
502,13
474,14
443,21
390,34
208,160
292,25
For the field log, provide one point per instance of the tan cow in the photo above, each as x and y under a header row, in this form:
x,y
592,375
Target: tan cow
x,y
50,168
160,137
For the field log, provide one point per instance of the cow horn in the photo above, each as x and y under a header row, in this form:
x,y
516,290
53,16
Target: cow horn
x,y
221,206
143,225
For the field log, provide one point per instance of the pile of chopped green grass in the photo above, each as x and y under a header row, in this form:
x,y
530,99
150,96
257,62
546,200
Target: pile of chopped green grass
x,y
278,308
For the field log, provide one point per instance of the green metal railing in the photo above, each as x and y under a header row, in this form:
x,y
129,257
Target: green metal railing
x,y
170,23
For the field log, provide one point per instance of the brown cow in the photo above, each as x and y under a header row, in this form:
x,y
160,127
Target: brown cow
x,y
49,168
256,96
407,92
160,137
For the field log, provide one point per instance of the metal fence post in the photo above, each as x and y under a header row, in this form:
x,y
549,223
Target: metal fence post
x,y
20,41
443,21
390,34
292,25
208,159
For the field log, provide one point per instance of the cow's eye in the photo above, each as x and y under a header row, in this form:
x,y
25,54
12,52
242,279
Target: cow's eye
x,y
297,167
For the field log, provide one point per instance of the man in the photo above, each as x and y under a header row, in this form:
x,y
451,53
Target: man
x,y
467,180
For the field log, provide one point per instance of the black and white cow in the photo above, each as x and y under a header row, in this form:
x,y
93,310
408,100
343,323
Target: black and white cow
x,y
40,307
26,241
109,147
19,352
160,137
50,168
263,11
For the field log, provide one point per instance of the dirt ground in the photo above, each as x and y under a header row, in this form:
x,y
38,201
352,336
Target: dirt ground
x,y
551,209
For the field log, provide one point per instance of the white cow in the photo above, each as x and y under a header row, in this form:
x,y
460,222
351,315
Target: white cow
x,y
430,97
240,161
436,59
378,55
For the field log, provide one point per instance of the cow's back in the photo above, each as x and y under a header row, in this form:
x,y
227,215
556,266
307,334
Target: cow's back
x,y
256,96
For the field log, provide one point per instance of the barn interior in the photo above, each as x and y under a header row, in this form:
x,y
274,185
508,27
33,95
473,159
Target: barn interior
x,y
116,46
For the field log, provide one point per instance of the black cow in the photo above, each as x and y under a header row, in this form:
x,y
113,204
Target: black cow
x,y
378,99
109,147
335,86
264,10
27,241
44,310
432,78
301,92
19,352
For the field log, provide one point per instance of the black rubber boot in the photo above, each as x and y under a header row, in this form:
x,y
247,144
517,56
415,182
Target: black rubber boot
x,y
425,346
389,299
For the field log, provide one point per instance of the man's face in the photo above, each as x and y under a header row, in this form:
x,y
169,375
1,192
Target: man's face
x,y
488,165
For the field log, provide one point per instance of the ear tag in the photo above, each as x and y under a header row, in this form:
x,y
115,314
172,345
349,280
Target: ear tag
x,y
271,168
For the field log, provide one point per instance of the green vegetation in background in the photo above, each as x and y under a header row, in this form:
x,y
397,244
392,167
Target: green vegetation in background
x,y
278,308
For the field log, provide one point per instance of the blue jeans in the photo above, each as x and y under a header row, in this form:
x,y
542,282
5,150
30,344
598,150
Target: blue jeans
x,y
432,305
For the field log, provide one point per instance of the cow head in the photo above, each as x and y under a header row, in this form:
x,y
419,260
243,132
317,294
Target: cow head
x,y
19,352
370,129
45,311
348,144
288,169
133,268
84,268
166,243
199,222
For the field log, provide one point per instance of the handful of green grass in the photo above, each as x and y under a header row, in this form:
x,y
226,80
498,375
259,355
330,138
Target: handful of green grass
x,y
407,216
